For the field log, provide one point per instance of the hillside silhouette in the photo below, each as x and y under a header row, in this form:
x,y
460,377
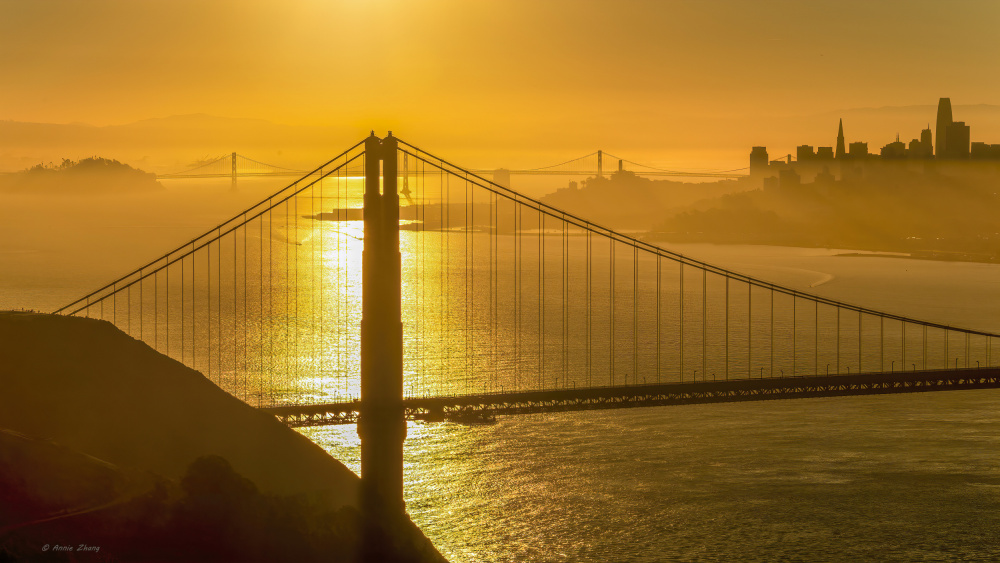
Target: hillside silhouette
x,y
624,200
167,455
933,215
90,175
80,506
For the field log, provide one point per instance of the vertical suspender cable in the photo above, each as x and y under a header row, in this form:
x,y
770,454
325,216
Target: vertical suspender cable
x,y
658,274
517,293
611,316
258,349
156,310
860,359
946,358
447,279
235,377
470,284
704,324
142,318
295,250
565,302
322,280
208,298
902,357
167,305
541,299
194,310
881,344
270,299
218,302
590,286
467,211
182,308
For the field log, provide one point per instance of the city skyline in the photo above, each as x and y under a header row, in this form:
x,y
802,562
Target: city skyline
x,y
949,141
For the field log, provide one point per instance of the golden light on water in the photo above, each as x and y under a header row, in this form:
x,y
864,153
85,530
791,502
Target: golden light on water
x,y
271,310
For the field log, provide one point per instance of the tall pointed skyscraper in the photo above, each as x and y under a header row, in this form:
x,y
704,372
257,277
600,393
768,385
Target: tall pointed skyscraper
x,y
943,121
841,150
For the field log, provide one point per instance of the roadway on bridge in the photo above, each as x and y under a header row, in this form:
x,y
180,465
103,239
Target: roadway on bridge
x,y
486,406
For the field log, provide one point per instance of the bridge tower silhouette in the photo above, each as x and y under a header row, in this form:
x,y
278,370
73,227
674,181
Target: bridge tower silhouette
x,y
381,423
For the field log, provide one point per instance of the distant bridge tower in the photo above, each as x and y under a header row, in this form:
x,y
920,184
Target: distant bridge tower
x,y
381,425
234,172
501,177
600,164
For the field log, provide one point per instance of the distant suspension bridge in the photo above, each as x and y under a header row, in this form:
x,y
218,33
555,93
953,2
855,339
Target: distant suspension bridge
x,y
236,166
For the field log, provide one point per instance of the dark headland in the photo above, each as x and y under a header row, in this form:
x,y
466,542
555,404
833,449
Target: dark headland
x,y
108,444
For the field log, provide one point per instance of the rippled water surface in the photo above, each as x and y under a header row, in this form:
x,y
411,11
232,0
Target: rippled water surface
x,y
876,478
893,478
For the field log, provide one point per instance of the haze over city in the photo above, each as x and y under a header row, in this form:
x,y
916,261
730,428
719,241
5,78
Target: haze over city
x,y
507,83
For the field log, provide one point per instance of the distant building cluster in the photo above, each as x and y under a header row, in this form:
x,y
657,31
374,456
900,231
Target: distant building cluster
x,y
951,144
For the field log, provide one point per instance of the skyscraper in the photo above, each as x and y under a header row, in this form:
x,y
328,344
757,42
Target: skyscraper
x,y
943,121
841,151
758,165
958,141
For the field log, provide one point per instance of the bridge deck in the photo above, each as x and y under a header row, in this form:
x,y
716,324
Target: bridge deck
x,y
485,407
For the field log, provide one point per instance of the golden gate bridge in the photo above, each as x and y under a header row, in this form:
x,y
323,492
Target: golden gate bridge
x,y
490,303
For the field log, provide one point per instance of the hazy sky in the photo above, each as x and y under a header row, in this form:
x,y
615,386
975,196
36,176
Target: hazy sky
x,y
540,73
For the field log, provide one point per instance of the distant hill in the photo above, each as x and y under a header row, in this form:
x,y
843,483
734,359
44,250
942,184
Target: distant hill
x,y
90,175
624,200
197,120
165,144
901,211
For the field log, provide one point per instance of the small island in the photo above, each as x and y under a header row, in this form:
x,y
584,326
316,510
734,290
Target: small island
x,y
87,176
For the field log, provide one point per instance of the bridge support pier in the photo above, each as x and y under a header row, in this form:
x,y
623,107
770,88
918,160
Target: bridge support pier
x,y
234,172
381,422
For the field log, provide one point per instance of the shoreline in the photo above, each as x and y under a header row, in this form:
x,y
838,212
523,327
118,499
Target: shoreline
x,y
853,251
926,255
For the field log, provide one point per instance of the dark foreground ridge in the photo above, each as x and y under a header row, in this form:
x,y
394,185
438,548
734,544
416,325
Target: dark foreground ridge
x,y
487,406
111,444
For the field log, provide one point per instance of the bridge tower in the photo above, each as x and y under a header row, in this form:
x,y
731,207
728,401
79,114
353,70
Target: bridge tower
x,y
381,425
234,172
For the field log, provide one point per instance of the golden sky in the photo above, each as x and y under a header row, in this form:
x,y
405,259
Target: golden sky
x,y
534,74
